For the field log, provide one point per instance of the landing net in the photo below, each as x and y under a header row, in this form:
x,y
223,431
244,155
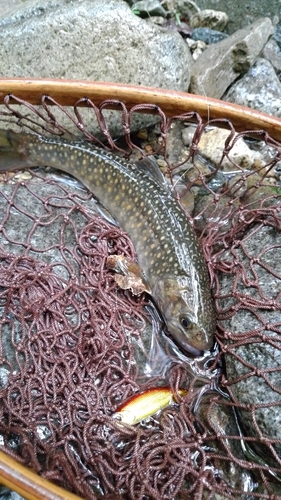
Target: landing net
x,y
74,346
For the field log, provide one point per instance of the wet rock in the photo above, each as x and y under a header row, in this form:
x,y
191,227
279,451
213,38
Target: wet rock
x,y
218,212
218,418
213,19
224,61
272,53
254,194
208,36
254,353
259,88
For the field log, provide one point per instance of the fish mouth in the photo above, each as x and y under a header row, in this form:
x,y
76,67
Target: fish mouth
x,y
183,344
194,348
192,352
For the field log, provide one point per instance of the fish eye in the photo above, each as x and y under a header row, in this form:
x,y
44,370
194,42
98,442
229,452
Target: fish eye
x,y
185,322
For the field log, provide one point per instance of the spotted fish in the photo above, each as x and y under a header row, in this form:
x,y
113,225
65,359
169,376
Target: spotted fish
x,y
167,248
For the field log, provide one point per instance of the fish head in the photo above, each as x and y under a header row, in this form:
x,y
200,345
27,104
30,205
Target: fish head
x,y
188,311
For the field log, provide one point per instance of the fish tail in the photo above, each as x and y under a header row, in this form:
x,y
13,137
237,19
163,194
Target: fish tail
x,y
12,151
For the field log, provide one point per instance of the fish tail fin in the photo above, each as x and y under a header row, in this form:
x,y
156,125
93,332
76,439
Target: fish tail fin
x,y
12,155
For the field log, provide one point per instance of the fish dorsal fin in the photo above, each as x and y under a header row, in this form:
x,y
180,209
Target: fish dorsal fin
x,y
149,166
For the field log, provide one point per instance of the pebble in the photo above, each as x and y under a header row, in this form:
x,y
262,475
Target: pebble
x,y
208,18
23,176
149,8
196,47
207,35
142,134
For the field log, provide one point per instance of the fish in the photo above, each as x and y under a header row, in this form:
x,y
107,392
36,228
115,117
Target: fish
x,y
167,248
146,404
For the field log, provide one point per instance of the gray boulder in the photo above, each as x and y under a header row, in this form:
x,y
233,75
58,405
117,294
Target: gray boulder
x,y
100,40
85,40
220,64
259,88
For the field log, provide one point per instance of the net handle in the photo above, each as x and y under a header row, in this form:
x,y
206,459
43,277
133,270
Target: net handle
x,y
68,92
28,484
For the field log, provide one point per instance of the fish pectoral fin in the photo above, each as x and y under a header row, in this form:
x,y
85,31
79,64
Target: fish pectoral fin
x,y
150,167
129,275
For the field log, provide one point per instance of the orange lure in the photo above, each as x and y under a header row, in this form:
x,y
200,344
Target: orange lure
x,y
146,404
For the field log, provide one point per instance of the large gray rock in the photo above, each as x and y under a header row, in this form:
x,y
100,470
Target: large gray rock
x,y
85,40
259,88
221,63
101,40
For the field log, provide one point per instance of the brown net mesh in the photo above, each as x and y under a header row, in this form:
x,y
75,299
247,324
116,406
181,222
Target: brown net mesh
x,y
74,346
